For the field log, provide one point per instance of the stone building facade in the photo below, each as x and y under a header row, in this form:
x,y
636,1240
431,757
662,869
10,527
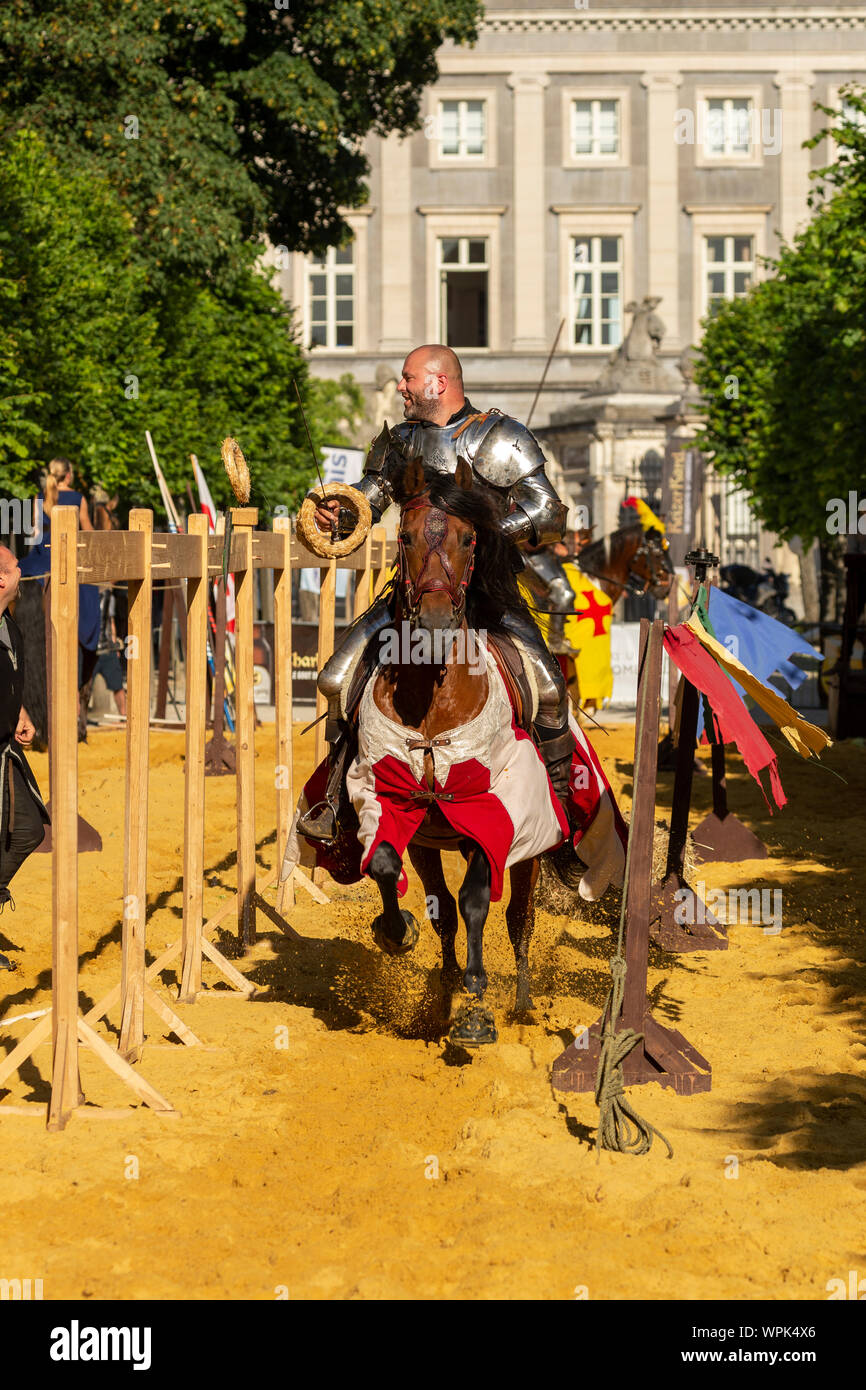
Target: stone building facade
x,y
578,159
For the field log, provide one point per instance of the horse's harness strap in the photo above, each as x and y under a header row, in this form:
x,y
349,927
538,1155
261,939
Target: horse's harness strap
x,y
633,581
428,745
435,531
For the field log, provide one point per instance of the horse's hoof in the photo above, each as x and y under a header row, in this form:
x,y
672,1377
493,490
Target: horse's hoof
x,y
387,944
474,1026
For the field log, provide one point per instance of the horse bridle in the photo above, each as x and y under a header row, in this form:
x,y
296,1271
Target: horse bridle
x,y
652,550
435,531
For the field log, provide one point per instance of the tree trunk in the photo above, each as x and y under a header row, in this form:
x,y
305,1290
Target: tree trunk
x,y
809,562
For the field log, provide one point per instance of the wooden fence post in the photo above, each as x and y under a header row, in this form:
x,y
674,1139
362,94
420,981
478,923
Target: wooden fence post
x,y
194,776
63,717
244,520
364,578
327,606
283,704
139,648
662,1054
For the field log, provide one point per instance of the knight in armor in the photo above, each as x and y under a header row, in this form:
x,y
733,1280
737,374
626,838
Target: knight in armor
x,y
441,427
548,583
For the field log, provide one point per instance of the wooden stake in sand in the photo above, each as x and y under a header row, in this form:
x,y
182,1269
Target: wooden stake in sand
x,y
135,557
66,1026
650,1052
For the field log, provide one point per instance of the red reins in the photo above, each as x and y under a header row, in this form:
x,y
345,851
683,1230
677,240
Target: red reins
x,y
435,531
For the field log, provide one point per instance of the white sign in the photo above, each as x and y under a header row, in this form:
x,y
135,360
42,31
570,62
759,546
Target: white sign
x,y
624,648
342,465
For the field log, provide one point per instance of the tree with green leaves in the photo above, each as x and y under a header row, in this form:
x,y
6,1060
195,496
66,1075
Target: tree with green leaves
x,y
783,371
171,138
89,362
219,121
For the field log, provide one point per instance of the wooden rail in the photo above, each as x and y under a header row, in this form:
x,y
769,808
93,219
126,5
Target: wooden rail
x,y
140,557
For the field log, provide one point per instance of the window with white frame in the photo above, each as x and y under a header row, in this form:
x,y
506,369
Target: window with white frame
x,y
463,266
595,128
596,291
852,114
729,268
331,298
462,129
727,127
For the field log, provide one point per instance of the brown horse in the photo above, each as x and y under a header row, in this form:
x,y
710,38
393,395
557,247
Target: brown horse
x,y
630,559
441,565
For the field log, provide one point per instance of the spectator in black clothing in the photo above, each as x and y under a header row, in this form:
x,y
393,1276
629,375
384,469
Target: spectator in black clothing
x,y
23,816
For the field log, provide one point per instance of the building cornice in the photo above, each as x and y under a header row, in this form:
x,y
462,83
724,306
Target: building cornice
x,y
726,209
461,209
570,209
742,21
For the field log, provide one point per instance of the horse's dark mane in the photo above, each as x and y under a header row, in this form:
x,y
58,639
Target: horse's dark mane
x,y
493,590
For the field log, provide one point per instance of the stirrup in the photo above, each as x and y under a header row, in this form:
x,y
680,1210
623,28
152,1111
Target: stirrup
x,y
319,824
6,897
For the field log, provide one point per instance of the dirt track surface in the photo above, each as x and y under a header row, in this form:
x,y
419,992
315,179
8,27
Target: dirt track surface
x,y
316,1117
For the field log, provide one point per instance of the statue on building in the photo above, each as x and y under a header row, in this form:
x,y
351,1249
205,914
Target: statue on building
x,y
635,365
386,403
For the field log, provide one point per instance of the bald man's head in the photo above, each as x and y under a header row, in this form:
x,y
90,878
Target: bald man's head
x,y
10,576
431,384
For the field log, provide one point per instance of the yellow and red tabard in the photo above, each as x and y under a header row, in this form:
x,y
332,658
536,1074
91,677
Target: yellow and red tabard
x,y
587,630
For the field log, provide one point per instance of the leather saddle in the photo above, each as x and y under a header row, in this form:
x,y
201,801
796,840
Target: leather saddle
x,y
510,663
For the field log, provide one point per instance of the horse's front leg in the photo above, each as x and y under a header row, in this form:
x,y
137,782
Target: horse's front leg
x,y
395,930
474,1025
442,912
520,919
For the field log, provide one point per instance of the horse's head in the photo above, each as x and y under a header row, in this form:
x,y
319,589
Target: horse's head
x,y
631,559
436,552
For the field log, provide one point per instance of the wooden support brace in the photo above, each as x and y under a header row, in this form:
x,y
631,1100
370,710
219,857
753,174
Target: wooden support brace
x,y
663,1054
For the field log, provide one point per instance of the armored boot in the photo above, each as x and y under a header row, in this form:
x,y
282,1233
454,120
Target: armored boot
x,y
556,747
321,821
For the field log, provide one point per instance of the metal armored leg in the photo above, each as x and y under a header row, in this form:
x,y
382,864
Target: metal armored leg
x,y
555,593
342,676
555,739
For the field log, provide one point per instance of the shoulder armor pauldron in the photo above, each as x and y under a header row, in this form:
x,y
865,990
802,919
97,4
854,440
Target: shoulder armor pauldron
x,y
388,442
500,449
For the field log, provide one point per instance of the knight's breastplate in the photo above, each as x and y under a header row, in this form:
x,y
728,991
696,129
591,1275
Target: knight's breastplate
x,y
439,446
499,450
504,457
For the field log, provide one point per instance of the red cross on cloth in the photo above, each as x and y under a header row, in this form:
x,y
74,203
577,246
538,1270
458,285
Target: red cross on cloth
x,y
596,611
